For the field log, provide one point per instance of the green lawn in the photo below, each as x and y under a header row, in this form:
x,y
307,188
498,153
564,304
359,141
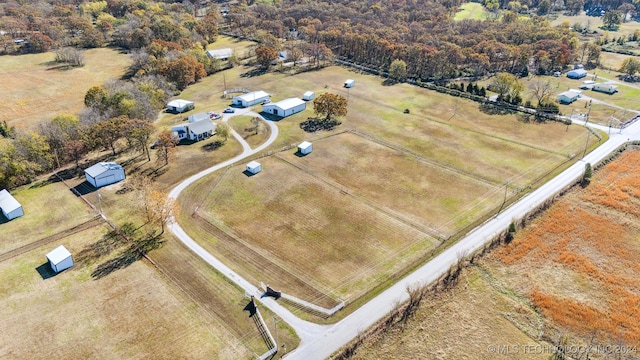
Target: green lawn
x,y
471,11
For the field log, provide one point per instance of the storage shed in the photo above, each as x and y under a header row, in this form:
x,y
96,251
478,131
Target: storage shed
x,y
309,95
11,208
568,97
179,106
285,107
104,173
220,54
577,74
60,259
305,148
251,98
349,83
254,167
605,88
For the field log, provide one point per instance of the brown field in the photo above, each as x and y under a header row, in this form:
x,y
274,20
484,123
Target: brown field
x,y
571,274
35,89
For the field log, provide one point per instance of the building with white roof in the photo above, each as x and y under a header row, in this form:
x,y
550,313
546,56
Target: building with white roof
x,y
251,98
11,208
60,258
285,107
104,173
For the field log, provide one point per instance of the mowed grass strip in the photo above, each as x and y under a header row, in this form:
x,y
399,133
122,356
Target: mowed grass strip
x,y
471,11
318,233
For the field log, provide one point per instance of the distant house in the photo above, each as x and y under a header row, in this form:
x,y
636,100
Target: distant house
x,y
251,98
11,208
220,54
568,97
179,106
104,173
60,259
285,107
195,131
308,95
605,88
577,74
305,148
349,83
198,117
254,167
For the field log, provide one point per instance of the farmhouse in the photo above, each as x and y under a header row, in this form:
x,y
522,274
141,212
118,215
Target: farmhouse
x,y
568,97
577,74
305,148
11,208
308,95
104,173
220,54
198,117
254,167
60,259
179,106
605,88
349,83
285,107
195,131
251,98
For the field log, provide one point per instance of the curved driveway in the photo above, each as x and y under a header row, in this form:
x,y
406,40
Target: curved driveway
x,y
320,341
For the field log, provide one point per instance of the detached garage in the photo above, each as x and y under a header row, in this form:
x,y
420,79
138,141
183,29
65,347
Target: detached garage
x,y
104,173
180,106
60,259
285,107
11,208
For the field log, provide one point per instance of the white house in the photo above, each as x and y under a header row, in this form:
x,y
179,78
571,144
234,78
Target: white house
x,y
349,83
568,97
220,54
195,131
251,98
605,88
104,173
577,74
305,148
308,95
180,106
254,167
285,107
60,259
198,117
11,208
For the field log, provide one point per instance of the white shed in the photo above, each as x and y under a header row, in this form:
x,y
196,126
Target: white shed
x,y
285,107
180,106
251,98
568,97
349,83
305,148
220,54
60,259
11,208
254,167
104,173
309,95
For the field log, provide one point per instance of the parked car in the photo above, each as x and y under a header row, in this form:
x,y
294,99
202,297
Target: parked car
x,y
229,110
214,116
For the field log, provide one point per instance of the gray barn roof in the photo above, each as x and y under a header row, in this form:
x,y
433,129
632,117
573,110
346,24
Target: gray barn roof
x,y
101,168
202,126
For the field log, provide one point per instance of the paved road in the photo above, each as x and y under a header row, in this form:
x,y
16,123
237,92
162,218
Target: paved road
x,y
320,341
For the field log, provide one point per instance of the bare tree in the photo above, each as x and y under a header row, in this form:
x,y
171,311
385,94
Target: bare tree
x,y
542,90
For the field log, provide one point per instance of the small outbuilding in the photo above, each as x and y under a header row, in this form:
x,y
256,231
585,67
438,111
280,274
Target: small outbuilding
x,y
11,208
254,167
308,95
60,259
285,107
104,173
577,74
605,88
349,83
220,54
251,98
568,97
195,131
179,106
305,148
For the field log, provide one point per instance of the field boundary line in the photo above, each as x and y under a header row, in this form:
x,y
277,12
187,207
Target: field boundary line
x,y
326,313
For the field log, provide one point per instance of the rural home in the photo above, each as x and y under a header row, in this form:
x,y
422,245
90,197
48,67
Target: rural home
x,y
179,106
568,97
11,208
349,83
195,131
305,148
220,54
198,117
577,74
254,167
251,98
309,95
60,259
605,88
285,107
104,173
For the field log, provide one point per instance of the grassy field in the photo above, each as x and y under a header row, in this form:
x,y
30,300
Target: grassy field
x,y
571,274
471,11
35,89
253,136
241,48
